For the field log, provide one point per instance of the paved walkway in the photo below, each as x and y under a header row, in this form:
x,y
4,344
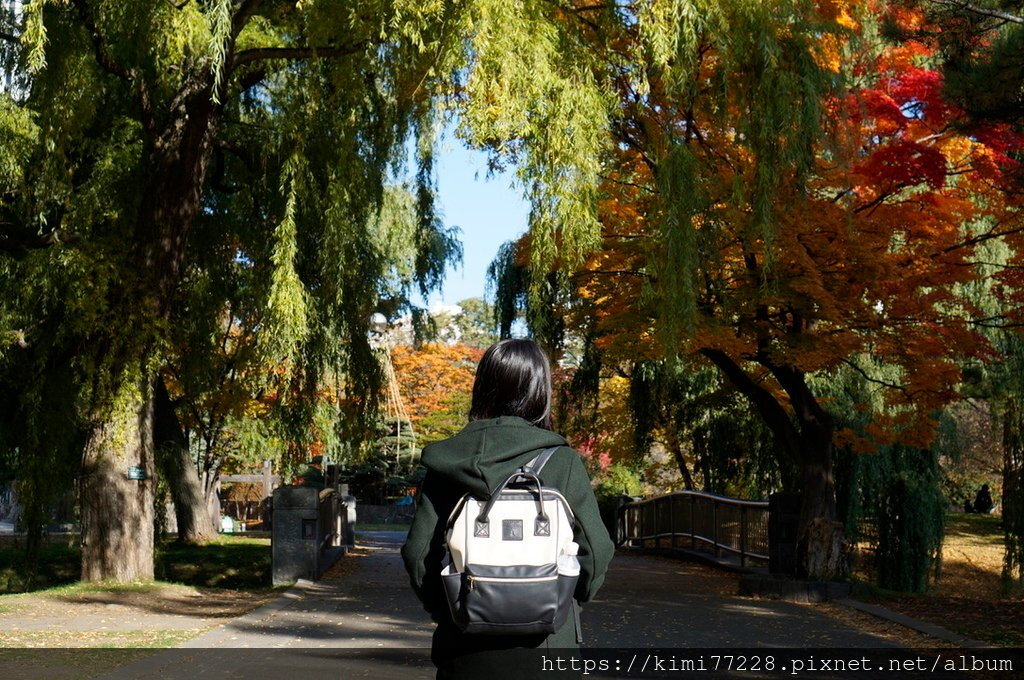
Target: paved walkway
x,y
363,621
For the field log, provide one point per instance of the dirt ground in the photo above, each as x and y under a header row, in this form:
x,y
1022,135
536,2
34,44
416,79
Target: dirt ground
x,y
967,597
156,615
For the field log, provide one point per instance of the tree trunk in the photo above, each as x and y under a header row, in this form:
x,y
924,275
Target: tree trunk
x,y
1013,497
117,509
211,486
117,514
194,523
676,445
821,544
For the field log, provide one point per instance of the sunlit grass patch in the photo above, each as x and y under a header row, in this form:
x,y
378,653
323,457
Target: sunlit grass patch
x,y
966,598
103,639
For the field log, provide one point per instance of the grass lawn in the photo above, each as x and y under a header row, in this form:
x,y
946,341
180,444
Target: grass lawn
x,y
121,617
196,587
232,562
59,563
966,598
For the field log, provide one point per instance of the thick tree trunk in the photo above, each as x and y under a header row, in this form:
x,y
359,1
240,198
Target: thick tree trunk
x,y
194,523
211,486
821,539
821,544
117,514
117,508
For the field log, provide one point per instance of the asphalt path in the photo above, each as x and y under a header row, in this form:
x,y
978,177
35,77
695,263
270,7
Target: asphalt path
x,y
362,620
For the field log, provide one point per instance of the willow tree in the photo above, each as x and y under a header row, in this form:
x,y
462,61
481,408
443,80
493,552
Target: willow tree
x,y
681,70
163,160
787,196
981,45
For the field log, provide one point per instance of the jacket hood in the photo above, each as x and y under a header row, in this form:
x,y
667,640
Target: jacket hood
x,y
485,452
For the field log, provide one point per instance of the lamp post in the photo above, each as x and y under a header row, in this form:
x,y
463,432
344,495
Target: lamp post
x,y
380,339
378,324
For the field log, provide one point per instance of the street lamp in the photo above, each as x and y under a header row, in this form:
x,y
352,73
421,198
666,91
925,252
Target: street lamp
x,y
378,331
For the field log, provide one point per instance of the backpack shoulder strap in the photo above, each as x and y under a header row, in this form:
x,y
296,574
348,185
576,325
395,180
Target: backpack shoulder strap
x,y
538,463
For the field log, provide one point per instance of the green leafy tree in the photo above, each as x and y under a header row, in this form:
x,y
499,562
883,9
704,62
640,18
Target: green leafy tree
x,y
478,327
982,45
788,195
164,160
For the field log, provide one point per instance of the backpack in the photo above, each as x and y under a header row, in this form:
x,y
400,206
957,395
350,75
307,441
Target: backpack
x,y
501,572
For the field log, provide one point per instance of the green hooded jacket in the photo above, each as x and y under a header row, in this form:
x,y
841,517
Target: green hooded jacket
x,y
476,460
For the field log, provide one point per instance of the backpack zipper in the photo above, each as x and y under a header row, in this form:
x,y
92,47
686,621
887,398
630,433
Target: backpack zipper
x,y
470,580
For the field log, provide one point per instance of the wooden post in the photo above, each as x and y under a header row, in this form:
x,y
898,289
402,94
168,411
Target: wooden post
x,y
693,525
743,535
643,523
672,519
714,526
268,479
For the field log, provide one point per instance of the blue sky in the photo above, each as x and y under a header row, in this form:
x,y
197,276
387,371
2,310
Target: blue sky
x,y
487,210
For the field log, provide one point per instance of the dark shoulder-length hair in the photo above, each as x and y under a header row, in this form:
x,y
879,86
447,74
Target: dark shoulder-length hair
x,y
513,379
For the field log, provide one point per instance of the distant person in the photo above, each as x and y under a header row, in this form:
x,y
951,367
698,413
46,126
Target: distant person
x,y
510,424
983,501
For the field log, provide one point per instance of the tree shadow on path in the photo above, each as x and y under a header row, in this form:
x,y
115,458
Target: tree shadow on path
x,y
363,620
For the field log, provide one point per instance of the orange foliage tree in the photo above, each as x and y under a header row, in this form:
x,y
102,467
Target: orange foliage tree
x,y
981,45
733,235
436,383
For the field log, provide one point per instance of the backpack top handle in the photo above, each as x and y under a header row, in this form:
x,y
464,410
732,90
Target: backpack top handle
x,y
528,474
518,477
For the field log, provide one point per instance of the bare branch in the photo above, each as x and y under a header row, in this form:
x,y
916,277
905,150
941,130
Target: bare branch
x,y
1001,320
881,198
621,182
252,78
871,379
985,263
580,12
981,11
774,414
103,56
1000,326
109,64
992,233
611,272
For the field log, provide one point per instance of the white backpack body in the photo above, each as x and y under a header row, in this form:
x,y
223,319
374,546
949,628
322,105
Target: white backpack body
x,y
502,574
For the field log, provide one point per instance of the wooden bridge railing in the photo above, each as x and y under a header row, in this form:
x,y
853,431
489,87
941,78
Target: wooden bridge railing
x,y
692,520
